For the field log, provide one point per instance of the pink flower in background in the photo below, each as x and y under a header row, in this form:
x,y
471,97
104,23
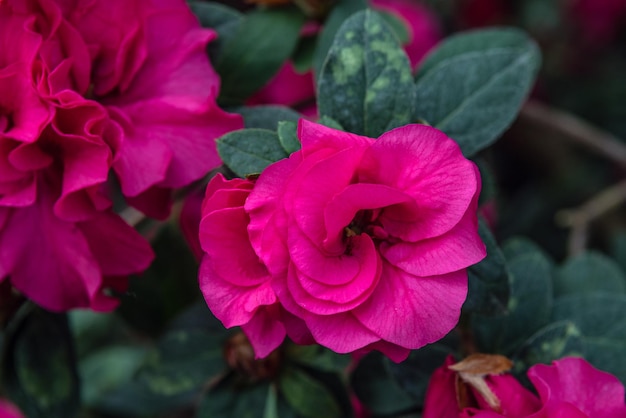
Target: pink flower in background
x,y
364,241
152,74
599,20
570,388
290,88
8,410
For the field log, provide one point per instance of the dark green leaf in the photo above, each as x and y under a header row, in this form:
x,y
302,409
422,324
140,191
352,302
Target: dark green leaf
x,y
341,11
413,374
223,19
307,396
249,151
92,330
472,86
552,342
377,390
330,122
365,84
518,246
528,309
39,366
589,272
288,136
261,43
267,117
488,281
397,26
105,370
228,401
303,55
318,358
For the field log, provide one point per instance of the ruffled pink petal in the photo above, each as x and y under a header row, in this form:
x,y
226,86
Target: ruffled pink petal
x,y
341,332
576,382
413,311
264,331
231,303
315,137
427,165
457,249
224,238
395,353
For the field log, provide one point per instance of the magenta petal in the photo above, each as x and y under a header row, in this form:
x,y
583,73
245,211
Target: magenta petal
x,y
342,332
395,353
440,400
516,401
457,249
264,331
427,165
413,311
230,303
315,137
576,382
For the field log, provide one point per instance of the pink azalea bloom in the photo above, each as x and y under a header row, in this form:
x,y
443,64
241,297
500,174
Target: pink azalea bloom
x,y
60,243
152,74
569,388
365,241
290,88
8,410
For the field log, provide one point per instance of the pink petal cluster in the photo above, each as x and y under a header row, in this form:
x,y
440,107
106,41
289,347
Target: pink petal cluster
x,y
569,388
290,88
358,243
90,86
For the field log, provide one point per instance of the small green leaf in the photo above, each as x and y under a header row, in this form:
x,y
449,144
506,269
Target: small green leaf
x,y
377,390
39,370
528,309
288,136
262,42
267,117
249,151
307,396
366,83
223,19
488,281
589,272
341,11
472,86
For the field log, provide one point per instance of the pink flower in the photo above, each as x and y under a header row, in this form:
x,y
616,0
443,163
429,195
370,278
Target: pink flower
x,y
152,74
8,410
290,88
60,243
364,241
570,388
599,20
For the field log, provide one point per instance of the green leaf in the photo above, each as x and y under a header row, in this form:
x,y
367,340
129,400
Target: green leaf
x,y
303,55
227,401
397,26
589,272
365,84
39,370
106,369
262,42
600,318
377,390
552,342
306,395
341,11
488,281
318,358
249,151
413,374
223,19
517,246
473,85
267,117
528,309
288,136
330,122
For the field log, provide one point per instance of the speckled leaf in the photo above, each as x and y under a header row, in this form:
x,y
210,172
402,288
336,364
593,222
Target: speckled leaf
x,y
307,396
38,364
267,116
589,272
249,151
377,389
342,10
288,136
472,86
365,84
261,43
528,309
552,342
488,281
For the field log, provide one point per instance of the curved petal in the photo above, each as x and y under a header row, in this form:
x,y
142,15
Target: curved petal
x,y
264,331
315,137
